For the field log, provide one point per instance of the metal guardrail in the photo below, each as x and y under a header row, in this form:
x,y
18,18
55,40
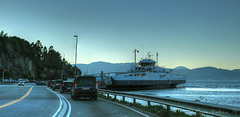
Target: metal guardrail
x,y
194,106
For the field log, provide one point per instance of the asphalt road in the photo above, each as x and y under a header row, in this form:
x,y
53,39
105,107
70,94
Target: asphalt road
x,y
101,108
39,103
42,102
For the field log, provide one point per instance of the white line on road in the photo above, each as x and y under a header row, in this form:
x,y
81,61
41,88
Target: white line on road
x,y
61,104
127,108
69,107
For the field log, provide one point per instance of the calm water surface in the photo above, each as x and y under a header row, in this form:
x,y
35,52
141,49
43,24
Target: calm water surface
x,y
217,92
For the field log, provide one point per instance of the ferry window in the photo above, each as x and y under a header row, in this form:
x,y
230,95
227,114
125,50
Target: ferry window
x,y
136,75
162,76
143,74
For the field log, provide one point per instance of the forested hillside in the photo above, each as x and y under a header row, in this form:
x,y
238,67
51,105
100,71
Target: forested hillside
x,y
33,61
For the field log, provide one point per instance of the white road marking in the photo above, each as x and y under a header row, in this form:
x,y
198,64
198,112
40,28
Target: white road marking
x,y
69,107
61,104
127,108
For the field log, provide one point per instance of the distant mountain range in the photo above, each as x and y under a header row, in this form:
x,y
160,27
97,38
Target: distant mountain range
x,y
203,73
97,67
209,73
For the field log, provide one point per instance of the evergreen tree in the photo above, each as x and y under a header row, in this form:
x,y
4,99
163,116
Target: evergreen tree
x,y
2,34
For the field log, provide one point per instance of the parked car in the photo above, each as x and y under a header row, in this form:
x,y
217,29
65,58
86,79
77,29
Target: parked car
x,y
84,86
51,83
40,83
21,84
66,86
57,84
32,81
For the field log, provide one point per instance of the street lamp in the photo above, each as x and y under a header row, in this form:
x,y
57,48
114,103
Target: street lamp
x,y
76,56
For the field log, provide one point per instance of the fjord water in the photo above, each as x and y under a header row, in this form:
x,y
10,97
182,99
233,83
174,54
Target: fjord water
x,y
212,91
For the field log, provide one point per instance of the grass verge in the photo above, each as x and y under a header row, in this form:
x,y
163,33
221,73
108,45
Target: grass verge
x,y
156,109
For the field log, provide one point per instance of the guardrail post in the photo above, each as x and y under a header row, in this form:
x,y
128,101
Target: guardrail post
x,y
123,99
149,103
168,110
134,100
115,97
108,95
198,114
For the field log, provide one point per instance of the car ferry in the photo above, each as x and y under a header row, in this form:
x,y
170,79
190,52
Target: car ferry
x,y
146,76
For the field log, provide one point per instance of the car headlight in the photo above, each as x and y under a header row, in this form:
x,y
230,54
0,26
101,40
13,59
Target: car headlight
x,y
23,83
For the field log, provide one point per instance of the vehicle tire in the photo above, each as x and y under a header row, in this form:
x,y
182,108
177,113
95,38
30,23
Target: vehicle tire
x,y
95,98
60,90
72,96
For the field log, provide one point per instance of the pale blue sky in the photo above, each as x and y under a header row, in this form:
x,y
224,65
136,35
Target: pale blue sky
x,y
191,33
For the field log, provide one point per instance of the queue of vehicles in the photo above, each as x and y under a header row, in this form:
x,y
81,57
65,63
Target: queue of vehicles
x,y
82,86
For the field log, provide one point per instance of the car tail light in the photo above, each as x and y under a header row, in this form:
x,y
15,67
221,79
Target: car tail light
x,y
96,84
75,83
51,84
62,85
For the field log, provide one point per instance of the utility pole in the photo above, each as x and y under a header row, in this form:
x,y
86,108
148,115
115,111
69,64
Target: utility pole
x,y
3,75
76,56
87,69
157,58
63,66
101,78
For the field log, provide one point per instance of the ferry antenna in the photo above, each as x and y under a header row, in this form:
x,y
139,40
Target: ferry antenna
x,y
149,55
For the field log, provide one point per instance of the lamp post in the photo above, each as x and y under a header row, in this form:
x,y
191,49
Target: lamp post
x,y
76,56
63,66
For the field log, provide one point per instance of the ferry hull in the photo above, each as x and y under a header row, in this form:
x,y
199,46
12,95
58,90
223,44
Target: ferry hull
x,y
143,84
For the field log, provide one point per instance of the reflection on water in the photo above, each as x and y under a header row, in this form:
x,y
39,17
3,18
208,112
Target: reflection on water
x,y
211,89
217,92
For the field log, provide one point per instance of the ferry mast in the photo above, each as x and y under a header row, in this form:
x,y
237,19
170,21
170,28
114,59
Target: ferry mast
x,y
135,57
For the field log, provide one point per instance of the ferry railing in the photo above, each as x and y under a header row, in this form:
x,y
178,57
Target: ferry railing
x,y
195,106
